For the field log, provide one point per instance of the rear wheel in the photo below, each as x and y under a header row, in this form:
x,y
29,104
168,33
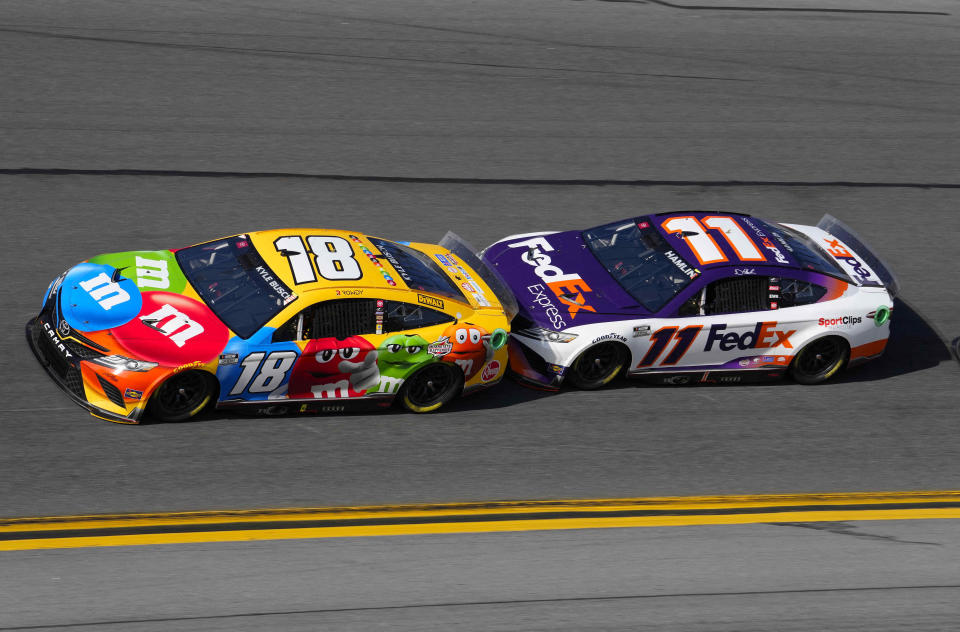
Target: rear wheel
x,y
598,365
182,396
820,360
431,387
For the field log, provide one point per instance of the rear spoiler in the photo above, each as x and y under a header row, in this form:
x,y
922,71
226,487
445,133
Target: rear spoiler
x,y
844,233
466,253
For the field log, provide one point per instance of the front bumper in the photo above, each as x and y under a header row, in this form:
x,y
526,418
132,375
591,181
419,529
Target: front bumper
x,y
63,366
531,369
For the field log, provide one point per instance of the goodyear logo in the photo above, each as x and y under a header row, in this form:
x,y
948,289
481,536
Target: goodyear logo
x,y
430,301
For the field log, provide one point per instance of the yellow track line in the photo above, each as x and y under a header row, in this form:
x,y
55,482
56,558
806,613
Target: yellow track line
x,y
455,518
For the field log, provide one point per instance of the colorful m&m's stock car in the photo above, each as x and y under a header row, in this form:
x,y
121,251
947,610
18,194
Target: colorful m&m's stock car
x,y
274,322
693,297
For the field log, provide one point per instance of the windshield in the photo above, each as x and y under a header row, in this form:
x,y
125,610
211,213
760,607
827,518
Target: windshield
x,y
234,282
416,270
802,248
641,261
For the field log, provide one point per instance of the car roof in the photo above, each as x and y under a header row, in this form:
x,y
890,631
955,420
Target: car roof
x,y
376,271
702,242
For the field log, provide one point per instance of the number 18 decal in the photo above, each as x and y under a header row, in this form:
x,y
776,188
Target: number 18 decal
x,y
262,373
331,256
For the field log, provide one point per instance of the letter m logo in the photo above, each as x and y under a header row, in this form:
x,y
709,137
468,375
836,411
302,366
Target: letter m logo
x,y
152,273
105,292
173,324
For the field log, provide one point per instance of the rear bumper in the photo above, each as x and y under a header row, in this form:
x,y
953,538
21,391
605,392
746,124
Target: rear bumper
x,y
65,372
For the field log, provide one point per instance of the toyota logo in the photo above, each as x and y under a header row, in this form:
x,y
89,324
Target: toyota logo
x,y
63,328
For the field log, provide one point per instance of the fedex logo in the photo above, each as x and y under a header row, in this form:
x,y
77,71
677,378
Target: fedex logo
x,y
569,288
763,336
772,247
839,251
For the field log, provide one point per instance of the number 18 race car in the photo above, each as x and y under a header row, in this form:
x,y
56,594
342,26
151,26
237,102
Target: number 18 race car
x,y
693,297
279,321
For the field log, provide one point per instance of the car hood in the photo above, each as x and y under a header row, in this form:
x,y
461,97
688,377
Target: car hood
x,y
139,304
558,282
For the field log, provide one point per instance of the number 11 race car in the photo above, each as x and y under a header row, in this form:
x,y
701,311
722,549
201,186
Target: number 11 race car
x,y
279,321
693,297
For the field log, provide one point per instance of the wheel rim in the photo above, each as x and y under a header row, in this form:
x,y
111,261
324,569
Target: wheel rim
x,y
597,362
429,386
820,357
183,393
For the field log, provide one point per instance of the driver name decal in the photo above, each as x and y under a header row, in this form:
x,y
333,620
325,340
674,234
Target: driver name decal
x,y
682,265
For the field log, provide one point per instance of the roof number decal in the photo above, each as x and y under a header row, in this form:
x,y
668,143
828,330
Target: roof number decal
x,y
331,257
704,248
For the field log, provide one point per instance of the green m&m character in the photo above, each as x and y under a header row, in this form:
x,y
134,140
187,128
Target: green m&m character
x,y
397,358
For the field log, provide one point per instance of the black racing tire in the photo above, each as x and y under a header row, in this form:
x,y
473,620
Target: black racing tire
x,y
598,365
182,396
819,360
431,387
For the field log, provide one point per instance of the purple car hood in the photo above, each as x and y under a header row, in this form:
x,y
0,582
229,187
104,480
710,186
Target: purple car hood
x,y
558,282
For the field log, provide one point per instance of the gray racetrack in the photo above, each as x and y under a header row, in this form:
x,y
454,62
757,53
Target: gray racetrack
x,y
155,125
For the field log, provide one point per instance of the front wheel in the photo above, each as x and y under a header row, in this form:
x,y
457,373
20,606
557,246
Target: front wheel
x,y
598,365
182,396
820,360
431,387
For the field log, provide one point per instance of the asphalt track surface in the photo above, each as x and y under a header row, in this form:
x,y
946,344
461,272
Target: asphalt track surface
x,y
155,125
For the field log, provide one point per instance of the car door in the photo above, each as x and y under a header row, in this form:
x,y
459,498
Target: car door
x,y
338,361
415,335
733,322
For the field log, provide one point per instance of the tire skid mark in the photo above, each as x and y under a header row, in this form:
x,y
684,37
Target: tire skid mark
x,y
480,604
369,59
844,528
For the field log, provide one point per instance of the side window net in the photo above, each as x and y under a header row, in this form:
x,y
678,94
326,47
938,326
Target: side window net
x,y
342,319
330,319
740,294
794,292
289,330
402,316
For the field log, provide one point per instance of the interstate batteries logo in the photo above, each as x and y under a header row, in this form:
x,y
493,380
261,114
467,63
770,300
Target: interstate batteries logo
x,y
568,288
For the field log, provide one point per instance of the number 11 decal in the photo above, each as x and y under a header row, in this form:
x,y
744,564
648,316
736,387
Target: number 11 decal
x,y
704,247
662,337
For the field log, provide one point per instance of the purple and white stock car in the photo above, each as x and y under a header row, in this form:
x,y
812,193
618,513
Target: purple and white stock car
x,y
693,296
